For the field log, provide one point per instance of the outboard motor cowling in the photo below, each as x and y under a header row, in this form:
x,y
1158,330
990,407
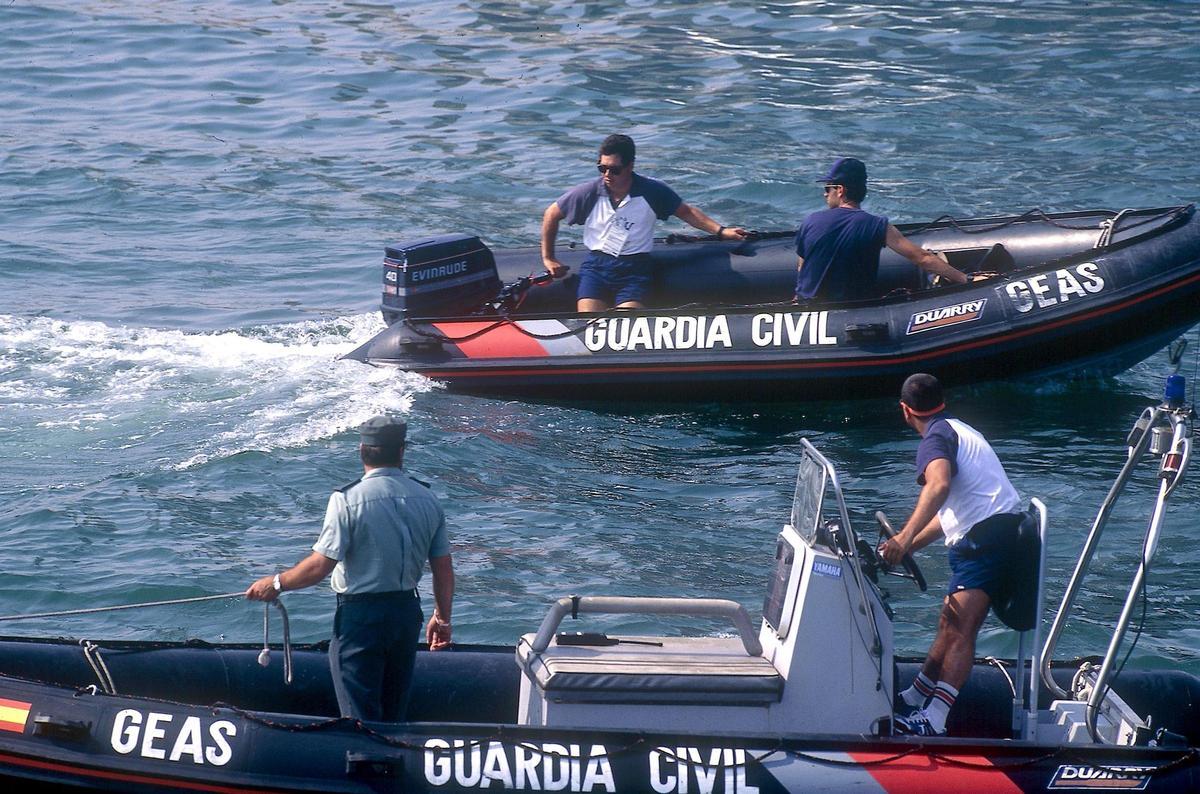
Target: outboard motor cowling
x,y
445,276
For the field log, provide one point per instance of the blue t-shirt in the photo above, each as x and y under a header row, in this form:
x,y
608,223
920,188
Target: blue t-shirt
x,y
840,247
627,228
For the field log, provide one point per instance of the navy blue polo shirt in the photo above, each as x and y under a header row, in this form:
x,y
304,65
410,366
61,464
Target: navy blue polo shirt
x,y
840,247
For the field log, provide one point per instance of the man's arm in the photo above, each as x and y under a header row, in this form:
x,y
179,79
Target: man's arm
x,y
307,572
931,532
694,217
437,633
923,525
550,220
923,259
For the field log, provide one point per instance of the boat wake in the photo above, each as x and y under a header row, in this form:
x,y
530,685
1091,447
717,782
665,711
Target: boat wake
x,y
176,400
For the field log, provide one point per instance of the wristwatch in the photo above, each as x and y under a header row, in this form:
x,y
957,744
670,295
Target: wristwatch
x,y
278,585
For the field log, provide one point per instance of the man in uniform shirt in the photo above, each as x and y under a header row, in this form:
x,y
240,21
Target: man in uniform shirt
x,y
379,530
967,499
838,247
617,210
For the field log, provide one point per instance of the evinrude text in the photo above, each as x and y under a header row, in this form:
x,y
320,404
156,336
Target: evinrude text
x,y
441,271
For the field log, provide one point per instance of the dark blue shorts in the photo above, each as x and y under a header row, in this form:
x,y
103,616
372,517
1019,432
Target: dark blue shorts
x,y
615,280
985,558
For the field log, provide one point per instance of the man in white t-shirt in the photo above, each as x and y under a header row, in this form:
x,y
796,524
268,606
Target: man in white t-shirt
x,y
617,211
967,499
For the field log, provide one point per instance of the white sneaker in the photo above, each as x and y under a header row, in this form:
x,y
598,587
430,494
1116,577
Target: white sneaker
x,y
915,724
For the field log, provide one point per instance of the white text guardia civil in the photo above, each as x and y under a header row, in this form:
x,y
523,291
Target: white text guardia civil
x,y
792,329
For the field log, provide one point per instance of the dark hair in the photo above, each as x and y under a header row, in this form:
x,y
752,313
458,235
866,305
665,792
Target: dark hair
x,y
621,145
921,392
856,192
390,455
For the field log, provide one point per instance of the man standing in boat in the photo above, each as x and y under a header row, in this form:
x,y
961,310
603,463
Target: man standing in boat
x,y
838,247
379,530
967,499
617,211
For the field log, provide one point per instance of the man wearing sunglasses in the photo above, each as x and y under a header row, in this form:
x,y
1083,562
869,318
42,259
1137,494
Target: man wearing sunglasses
x,y
839,246
617,211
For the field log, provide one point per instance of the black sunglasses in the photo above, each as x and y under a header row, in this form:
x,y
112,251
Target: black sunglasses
x,y
830,187
610,169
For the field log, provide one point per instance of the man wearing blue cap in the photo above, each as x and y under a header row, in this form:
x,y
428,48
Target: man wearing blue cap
x,y
839,246
379,530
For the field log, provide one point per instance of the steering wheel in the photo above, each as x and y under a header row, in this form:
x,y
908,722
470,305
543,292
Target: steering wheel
x,y
911,571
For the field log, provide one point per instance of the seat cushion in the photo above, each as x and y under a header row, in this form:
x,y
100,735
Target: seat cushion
x,y
700,670
1016,603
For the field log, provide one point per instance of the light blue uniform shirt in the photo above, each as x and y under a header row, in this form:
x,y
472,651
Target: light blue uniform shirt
x,y
381,530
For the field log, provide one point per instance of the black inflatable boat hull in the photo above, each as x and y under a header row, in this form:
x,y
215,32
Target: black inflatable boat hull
x,y
1062,305
208,718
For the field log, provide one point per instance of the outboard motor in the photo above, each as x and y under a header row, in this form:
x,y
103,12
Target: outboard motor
x,y
445,276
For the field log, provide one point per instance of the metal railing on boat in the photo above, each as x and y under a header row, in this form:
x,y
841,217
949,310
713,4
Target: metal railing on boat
x,y
1166,431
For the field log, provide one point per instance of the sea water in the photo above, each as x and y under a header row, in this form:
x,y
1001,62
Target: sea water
x,y
194,200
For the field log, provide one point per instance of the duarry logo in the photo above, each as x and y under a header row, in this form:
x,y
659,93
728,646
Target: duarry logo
x,y
946,315
1109,778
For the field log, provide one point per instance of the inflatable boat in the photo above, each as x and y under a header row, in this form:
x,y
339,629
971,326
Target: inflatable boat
x,y
1093,291
802,701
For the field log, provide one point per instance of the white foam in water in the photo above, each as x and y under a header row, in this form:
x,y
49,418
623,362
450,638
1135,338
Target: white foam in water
x,y
220,393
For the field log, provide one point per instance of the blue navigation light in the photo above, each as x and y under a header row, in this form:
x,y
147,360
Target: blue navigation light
x,y
1173,394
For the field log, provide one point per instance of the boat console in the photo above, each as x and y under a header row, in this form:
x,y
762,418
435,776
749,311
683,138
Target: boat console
x,y
820,660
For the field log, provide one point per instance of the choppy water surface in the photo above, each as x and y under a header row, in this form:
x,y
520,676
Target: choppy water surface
x,y
193,201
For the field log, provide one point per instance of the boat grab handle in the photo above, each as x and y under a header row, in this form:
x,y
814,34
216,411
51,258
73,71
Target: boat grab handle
x,y
635,605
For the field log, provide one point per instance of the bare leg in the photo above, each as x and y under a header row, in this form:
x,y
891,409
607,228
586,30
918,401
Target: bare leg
x,y
962,615
591,305
949,662
631,305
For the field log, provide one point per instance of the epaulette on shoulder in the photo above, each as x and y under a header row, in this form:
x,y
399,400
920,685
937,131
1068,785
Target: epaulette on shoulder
x,y
419,482
348,486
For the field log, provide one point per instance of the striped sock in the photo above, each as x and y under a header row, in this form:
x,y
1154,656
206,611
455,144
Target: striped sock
x,y
919,692
940,704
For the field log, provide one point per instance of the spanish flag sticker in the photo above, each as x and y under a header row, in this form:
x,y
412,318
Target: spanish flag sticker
x,y
13,715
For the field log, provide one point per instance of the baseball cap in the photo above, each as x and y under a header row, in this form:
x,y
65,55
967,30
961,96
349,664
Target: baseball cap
x,y
846,171
383,431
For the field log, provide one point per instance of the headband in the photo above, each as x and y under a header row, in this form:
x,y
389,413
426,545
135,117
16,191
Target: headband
x,y
922,414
